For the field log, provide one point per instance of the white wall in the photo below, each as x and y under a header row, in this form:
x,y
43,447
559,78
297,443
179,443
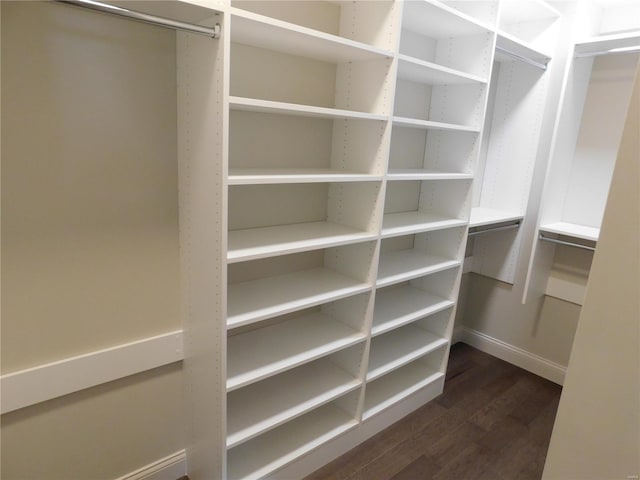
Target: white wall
x,y
597,430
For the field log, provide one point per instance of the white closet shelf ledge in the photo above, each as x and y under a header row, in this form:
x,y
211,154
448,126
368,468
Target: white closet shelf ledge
x,y
400,347
481,216
255,243
431,125
263,406
269,106
616,43
264,352
258,176
256,300
392,388
574,230
519,48
256,30
399,266
406,223
433,19
400,306
423,174
266,453
420,71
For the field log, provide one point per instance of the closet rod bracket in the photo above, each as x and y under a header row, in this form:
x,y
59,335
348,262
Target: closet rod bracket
x,y
212,32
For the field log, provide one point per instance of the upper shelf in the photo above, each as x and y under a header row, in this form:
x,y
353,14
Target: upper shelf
x,y
260,31
522,11
260,176
269,106
436,20
572,230
510,48
616,43
420,71
431,125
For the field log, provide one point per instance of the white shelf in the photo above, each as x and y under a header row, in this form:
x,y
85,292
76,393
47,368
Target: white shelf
x,y
436,20
519,48
572,230
259,176
255,243
605,43
269,106
399,306
248,28
256,300
422,174
420,71
265,405
258,457
258,354
404,265
406,223
430,125
399,347
481,217
392,388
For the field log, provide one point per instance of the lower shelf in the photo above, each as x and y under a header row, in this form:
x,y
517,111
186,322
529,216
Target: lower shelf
x,y
405,223
403,265
572,230
273,450
390,389
265,405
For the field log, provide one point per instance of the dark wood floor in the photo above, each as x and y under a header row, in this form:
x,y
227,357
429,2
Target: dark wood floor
x,y
493,422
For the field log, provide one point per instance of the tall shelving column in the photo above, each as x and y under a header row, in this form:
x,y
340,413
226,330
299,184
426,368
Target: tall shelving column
x,y
443,69
309,105
518,101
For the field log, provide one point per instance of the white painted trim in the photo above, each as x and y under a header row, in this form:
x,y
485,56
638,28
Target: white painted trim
x,y
457,335
44,382
171,467
517,356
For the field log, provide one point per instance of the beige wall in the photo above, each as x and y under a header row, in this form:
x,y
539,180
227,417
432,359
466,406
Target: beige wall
x,y
597,430
89,233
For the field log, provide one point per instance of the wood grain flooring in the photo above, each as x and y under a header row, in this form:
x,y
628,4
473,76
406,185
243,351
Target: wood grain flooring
x,y
493,422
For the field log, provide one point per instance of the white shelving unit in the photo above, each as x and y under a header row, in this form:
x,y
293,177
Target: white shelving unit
x,y
527,33
597,84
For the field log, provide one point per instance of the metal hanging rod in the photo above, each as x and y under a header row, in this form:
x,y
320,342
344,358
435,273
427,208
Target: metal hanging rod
x,y
610,51
522,58
494,229
213,32
562,242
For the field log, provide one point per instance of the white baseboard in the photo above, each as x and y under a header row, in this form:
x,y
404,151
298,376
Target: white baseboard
x,y
169,468
517,356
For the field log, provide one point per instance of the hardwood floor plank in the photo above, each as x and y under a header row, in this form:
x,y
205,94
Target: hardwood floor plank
x,y
442,450
423,468
469,464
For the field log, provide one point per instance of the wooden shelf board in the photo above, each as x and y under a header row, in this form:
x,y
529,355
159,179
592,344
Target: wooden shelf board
x,y
608,42
423,174
481,217
572,230
261,456
431,125
256,300
390,389
266,405
264,352
421,71
256,30
519,47
261,176
404,265
436,20
399,347
269,106
396,307
255,243
405,223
